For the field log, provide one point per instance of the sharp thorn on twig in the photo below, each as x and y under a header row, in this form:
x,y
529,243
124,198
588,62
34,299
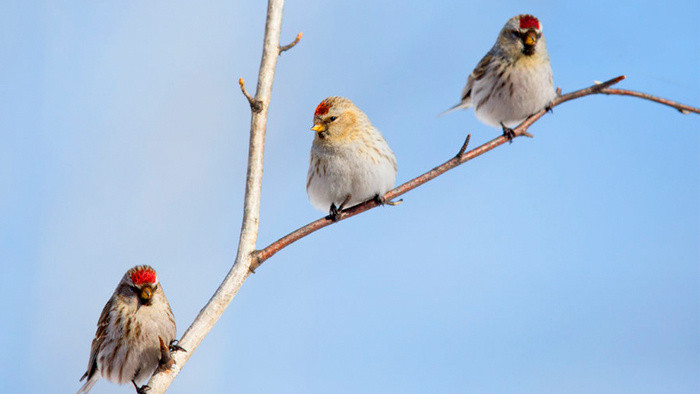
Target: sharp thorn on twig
x,y
292,44
464,146
255,105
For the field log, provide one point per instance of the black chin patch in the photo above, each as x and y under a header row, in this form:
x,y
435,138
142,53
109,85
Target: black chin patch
x,y
528,50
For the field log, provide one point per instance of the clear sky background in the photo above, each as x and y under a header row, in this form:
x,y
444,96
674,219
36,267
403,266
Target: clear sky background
x,y
565,263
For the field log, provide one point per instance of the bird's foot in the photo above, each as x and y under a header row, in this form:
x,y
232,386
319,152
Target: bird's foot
x,y
380,200
508,132
174,346
336,212
549,108
141,390
333,214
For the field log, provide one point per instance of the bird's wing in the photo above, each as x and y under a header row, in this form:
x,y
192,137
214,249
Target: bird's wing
x,y
100,335
477,74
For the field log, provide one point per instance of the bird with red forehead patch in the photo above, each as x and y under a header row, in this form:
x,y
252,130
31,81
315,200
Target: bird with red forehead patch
x,y
135,333
350,160
514,79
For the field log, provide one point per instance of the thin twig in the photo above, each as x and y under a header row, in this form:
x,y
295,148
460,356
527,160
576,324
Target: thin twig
x,y
260,256
464,146
682,108
255,105
291,44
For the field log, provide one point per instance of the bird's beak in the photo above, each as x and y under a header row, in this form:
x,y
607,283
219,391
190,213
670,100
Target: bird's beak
x,y
530,38
319,127
146,293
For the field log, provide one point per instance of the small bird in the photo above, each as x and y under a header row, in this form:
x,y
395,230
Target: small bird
x,y
132,333
514,79
350,160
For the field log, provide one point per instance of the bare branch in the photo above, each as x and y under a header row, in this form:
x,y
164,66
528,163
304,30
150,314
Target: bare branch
x,y
292,44
682,108
255,105
601,88
211,313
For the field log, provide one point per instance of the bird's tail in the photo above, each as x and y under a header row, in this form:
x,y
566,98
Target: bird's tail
x,y
457,106
90,382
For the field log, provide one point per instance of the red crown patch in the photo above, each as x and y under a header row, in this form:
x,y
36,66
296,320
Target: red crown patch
x,y
322,108
528,21
144,275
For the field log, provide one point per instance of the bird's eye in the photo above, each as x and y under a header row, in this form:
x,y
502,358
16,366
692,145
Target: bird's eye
x,y
332,118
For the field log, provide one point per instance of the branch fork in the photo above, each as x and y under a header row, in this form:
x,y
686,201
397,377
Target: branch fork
x,y
248,258
255,105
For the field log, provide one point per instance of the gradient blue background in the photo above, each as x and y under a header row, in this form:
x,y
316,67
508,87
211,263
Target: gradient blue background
x,y
566,263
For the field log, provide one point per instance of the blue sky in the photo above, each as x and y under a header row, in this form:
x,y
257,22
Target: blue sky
x,y
565,263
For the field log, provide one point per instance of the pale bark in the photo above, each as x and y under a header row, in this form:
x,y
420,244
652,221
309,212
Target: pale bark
x,y
211,313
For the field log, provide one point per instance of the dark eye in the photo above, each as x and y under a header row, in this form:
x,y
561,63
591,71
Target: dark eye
x,y
332,118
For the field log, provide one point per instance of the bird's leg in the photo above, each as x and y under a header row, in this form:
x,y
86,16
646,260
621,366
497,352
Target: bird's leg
x,y
335,212
174,346
166,361
342,204
141,390
508,132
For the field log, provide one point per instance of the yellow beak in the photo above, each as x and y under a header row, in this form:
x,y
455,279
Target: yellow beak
x,y
530,39
319,127
146,293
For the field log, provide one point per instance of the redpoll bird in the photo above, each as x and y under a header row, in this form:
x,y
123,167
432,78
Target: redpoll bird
x,y
514,79
350,160
132,333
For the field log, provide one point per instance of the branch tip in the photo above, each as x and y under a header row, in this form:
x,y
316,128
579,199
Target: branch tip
x,y
464,146
293,43
394,203
255,105
608,83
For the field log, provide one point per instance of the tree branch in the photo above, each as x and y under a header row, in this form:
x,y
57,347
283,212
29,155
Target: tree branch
x,y
255,105
521,131
211,313
682,108
291,44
